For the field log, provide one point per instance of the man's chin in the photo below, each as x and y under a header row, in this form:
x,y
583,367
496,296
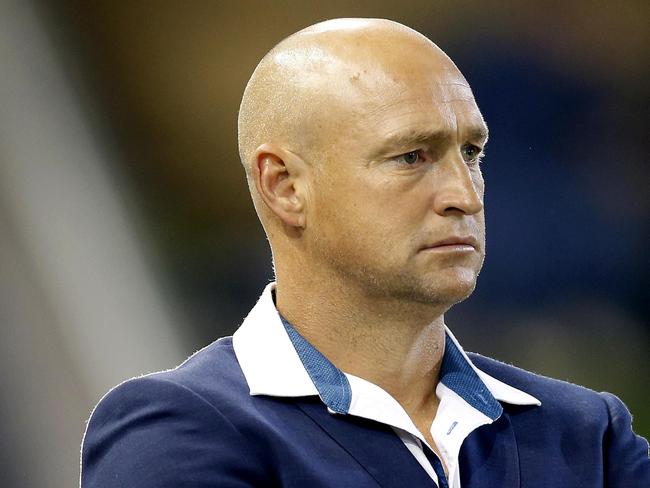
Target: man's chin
x,y
448,290
460,294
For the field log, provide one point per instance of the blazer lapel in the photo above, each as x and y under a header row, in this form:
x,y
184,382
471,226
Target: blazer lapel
x,y
489,457
373,445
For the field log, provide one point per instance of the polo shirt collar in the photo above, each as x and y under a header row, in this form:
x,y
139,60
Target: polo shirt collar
x,y
277,361
266,354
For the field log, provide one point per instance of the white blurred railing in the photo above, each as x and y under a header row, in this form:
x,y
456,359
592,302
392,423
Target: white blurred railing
x,y
80,309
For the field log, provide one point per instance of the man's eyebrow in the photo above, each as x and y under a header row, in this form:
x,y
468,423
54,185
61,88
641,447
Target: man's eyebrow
x,y
480,133
404,140
401,140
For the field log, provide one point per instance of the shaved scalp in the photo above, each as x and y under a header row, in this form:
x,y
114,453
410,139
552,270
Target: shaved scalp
x,y
311,94
300,86
317,129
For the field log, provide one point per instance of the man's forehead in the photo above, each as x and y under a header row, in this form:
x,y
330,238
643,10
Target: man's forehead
x,y
443,110
455,91
438,98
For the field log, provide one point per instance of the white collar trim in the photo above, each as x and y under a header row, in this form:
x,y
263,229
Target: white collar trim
x,y
272,366
266,355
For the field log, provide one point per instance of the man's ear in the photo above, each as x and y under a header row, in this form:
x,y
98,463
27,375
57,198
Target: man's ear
x,y
279,177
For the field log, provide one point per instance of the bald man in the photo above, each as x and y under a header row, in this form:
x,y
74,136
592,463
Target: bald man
x,y
361,143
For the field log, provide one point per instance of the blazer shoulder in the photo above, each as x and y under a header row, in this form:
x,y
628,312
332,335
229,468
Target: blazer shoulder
x,y
211,376
213,372
596,425
565,398
171,428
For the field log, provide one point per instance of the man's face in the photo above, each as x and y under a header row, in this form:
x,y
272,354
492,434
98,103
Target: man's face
x,y
401,177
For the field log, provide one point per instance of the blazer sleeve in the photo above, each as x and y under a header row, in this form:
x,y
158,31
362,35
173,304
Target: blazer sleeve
x,y
626,455
152,432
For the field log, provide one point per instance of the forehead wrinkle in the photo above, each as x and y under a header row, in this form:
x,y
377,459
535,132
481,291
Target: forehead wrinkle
x,y
451,100
441,98
458,89
404,101
472,132
473,128
472,125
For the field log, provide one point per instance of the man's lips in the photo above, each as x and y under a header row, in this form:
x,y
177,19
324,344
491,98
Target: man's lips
x,y
453,244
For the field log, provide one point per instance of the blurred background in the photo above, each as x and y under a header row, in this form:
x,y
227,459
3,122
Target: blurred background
x,y
128,240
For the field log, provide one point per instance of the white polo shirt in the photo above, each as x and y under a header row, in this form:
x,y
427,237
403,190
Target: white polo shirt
x,y
277,361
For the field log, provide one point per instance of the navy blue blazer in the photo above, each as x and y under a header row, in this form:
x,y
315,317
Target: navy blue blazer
x,y
198,426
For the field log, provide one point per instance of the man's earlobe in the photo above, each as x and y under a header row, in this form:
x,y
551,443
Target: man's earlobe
x,y
278,177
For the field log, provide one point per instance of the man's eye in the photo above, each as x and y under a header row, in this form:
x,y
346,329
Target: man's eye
x,y
471,153
410,157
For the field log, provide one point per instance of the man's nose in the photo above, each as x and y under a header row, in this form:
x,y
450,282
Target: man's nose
x,y
457,191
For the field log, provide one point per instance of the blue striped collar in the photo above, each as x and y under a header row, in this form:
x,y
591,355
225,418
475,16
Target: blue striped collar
x,y
335,391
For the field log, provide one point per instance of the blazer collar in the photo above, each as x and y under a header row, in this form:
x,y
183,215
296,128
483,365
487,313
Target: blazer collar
x,y
489,456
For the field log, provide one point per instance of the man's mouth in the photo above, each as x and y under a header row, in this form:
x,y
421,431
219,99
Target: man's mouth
x,y
453,244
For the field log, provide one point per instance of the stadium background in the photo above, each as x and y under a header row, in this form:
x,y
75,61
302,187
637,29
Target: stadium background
x,y
127,238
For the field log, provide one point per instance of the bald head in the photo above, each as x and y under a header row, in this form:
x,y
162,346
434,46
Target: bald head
x,y
309,82
361,142
321,91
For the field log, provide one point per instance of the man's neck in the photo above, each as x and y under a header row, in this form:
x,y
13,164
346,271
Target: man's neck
x,y
395,345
